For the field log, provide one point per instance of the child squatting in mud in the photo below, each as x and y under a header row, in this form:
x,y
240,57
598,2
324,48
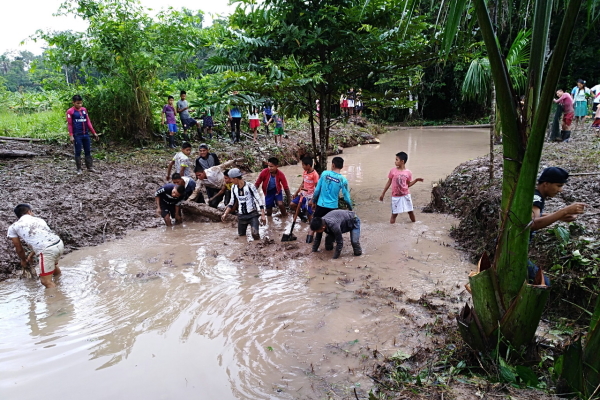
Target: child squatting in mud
x,y
401,179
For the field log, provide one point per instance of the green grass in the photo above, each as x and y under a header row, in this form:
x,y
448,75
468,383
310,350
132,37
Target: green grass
x,y
40,125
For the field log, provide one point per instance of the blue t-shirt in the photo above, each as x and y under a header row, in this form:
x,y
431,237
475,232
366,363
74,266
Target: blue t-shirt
x,y
235,113
328,189
268,110
271,187
80,123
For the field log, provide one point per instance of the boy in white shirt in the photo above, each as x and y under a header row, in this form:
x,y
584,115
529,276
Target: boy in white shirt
x,y
45,244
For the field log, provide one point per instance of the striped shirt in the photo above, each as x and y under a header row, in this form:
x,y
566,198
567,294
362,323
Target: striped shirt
x,y
247,198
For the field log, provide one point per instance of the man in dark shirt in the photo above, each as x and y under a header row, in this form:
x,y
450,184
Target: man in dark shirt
x,y
185,181
206,159
167,198
550,183
334,224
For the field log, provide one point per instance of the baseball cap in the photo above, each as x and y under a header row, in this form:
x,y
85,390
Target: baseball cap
x,y
203,146
235,173
553,175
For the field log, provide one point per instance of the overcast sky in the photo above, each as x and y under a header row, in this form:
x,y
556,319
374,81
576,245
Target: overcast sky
x,y
21,20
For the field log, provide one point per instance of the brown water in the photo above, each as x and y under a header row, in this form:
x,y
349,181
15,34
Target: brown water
x,y
196,313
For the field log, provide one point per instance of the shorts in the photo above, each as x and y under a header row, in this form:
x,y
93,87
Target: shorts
x,y
48,258
188,123
254,123
272,198
166,209
172,127
596,123
304,205
320,212
402,204
350,103
278,131
207,122
568,118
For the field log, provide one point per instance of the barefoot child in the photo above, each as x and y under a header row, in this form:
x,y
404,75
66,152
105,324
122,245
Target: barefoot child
x,y
273,181
401,179
310,177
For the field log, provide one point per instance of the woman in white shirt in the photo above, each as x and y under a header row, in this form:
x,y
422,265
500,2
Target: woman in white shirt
x,y
254,122
580,95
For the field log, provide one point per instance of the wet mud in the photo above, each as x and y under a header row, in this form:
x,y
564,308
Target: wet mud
x,y
195,310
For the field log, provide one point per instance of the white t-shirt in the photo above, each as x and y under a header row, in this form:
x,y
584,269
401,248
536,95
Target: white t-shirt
x,y
596,90
253,116
579,94
34,231
181,160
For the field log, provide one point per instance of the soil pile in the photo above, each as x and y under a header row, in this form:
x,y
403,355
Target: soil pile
x,y
469,194
88,209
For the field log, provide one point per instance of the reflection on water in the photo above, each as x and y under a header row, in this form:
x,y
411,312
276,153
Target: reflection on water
x,y
190,313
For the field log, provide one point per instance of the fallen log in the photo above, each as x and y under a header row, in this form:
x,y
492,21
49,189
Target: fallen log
x,y
21,139
16,153
204,210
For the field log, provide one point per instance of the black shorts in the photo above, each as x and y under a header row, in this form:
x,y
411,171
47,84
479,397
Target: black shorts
x,y
320,212
188,123
166,209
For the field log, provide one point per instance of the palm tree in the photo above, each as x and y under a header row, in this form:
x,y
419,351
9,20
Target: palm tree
x,y
478,84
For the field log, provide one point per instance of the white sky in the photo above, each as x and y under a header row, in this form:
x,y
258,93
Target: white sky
x,y
19,21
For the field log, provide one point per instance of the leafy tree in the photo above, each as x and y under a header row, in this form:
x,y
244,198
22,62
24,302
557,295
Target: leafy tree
x,y
316,49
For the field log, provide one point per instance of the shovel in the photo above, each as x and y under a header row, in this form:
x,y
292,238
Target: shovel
x,y
291,237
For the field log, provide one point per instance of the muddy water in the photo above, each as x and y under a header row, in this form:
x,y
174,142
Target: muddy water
x,y
195,312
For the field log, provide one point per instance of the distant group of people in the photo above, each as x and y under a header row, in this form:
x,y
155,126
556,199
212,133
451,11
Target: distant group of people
x,y
574,107
351,103
234,114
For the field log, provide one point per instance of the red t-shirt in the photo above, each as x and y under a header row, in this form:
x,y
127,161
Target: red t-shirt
x,y
400,180
567,102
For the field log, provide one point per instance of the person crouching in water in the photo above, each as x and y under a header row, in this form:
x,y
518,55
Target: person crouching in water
x,y
167,200
334,224
247,198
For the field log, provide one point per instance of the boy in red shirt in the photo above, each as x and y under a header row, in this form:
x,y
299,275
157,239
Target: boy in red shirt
x,y
273,181
401,179
310,177
566,101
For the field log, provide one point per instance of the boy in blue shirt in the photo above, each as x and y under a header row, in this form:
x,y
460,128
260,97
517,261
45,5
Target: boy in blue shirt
x,y
327,193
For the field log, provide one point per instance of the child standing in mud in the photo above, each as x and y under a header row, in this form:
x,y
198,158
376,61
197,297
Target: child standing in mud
x,y
181,161
305,192
248,199
273,183
400,179
168,118
80,126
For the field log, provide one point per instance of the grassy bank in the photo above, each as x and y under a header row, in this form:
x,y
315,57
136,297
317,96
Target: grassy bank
x,y
40,125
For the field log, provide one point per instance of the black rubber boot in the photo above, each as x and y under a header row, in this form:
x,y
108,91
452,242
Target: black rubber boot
x,y
186,137
172,141
78,164
566,135
357,249
329,242
89,163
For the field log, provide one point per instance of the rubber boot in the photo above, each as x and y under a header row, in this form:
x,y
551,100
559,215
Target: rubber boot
x,y
200,135
78,164
329,242
172,141
186,137
357,249
566,135
237,136
89,163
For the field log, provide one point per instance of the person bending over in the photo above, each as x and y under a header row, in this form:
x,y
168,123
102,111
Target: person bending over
x,y
334,224
167,200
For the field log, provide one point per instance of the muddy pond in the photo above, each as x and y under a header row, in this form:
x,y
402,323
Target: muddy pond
x,y
195,312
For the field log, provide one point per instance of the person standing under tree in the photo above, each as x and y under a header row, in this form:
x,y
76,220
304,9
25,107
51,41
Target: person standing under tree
x,y
80,126
580,94
45,244
168,116
254,122
187,121
566,102
279,124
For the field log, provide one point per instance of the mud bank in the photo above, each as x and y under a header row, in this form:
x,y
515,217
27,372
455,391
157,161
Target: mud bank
x,y
89,209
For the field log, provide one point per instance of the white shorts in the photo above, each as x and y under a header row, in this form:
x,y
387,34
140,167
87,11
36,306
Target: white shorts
x,y
48,258
402,204
350,103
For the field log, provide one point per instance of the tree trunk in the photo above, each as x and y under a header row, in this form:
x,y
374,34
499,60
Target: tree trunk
x,y
492,132
204,210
